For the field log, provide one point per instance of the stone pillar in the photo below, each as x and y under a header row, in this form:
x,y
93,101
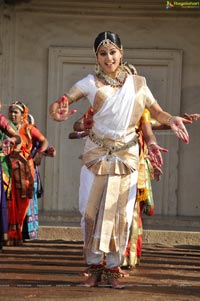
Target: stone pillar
x,y
7,44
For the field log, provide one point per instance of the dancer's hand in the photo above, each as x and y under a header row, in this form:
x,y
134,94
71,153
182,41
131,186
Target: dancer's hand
x,y
154,154
88,119
50,152
59,111
177,125
7,145
157,172
192,117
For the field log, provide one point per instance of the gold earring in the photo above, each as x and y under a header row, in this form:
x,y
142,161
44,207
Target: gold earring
x,y
97,68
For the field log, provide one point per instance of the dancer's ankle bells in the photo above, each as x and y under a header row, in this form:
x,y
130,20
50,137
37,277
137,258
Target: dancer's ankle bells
x,y
111,276
95,272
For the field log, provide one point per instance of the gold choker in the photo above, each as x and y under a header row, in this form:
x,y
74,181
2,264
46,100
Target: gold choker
x,y
118,81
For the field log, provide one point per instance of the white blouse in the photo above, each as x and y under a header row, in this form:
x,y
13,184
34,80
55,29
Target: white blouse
x,y
114,115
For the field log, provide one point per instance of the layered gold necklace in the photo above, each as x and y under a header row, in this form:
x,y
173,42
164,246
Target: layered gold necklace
x,y
115,82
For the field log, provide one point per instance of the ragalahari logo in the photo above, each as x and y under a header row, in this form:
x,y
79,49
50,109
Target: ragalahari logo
x,y
184,4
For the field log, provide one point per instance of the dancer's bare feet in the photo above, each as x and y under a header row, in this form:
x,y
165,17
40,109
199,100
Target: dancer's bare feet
x,y
93,280
85,273
111,276
94,275
115,283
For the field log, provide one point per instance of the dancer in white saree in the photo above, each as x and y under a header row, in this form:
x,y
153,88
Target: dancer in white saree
x,y
111,154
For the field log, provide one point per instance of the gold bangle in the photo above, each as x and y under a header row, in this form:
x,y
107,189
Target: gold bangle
x,y
169,120
151,143
71,98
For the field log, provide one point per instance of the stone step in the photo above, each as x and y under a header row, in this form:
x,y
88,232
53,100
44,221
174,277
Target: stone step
x,y
42,270
167,237
155,222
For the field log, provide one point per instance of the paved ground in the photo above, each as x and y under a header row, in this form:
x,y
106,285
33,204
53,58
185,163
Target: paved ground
x,y
51,270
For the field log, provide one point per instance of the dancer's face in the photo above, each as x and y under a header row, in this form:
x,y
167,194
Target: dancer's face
x,y
109,58
15,115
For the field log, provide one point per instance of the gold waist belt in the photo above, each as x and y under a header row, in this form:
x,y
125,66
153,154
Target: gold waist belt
x,y
111,148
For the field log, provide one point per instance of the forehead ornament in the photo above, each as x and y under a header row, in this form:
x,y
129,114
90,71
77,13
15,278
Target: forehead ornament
x,y
106,43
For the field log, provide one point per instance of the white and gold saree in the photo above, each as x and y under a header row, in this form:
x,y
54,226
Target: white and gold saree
x,y
109,174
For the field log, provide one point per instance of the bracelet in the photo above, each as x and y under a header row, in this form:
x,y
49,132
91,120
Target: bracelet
x,y
72,99
151,143
169,120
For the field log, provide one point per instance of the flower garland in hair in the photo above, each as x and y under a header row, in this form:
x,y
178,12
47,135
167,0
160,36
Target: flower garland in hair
x,y
25,114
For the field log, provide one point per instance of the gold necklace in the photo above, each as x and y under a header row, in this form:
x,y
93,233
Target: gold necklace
x,y
118,81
